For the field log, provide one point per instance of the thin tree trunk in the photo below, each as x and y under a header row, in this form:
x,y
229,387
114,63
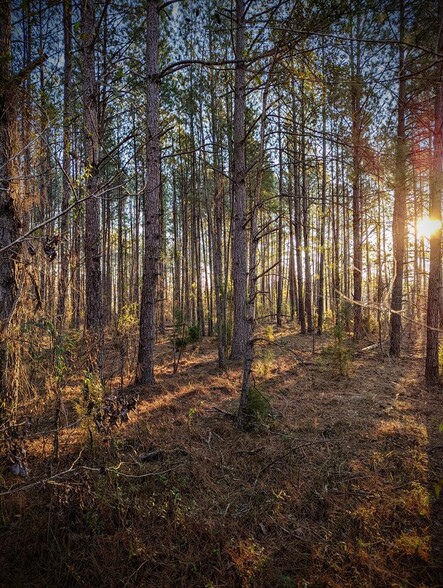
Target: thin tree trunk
x,y
399,218
297,221
208,242
198,276
305,211
321,272
253,263
291,273
162,290
220,299
280,226
66,188
121,282
136,252
357,253
176,306
336,243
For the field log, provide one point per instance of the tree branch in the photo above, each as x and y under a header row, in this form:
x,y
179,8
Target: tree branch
x,y
29,68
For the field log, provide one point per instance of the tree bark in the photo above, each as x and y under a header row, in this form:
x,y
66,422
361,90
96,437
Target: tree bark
x,y
152,204
253,264
292,286
8,213
176,305
239,253
94,304
357,252
218,203
279,306
305,215
66,187
432,374
297,221
321,271
399,218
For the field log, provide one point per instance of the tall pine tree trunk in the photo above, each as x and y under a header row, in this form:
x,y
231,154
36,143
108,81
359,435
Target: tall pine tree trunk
x,y
66,188
357,252
297,220
152,205
253,264
8,214
291,271
94,305
399,219
279,306
218,199
305,213
239,253
435,187
321,271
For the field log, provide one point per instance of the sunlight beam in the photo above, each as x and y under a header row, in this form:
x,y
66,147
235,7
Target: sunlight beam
x,y
426,227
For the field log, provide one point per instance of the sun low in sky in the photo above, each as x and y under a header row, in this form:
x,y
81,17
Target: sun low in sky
x,y
426,227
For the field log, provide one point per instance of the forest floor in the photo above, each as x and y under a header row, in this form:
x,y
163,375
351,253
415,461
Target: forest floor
x,y
335,486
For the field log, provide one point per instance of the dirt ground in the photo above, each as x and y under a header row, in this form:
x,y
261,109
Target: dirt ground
x,y
335,485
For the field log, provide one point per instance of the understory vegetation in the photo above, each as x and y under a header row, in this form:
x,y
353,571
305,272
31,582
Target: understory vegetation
x,y
333,484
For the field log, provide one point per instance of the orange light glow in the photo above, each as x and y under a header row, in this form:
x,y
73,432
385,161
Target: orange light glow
x,y
426,227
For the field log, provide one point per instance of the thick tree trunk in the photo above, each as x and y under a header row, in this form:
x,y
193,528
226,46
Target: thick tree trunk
x,y
239,252
94,305
432,374
8,215
399,219
152,205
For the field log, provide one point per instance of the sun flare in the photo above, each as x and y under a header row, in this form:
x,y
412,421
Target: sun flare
x,y
427,226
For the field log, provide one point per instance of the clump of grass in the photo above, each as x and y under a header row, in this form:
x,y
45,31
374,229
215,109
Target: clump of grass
x,y
258,411
412,544
248,558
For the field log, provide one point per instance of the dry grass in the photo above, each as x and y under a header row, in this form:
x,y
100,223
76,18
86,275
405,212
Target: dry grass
x,y
336,491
